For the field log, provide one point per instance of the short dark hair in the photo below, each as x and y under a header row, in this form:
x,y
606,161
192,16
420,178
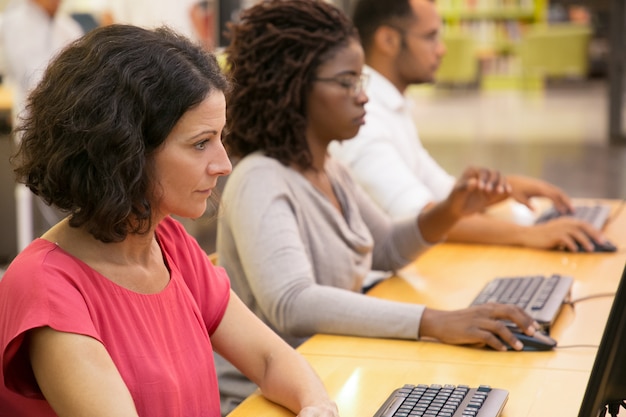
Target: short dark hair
x,y
369,15
92,124
274,54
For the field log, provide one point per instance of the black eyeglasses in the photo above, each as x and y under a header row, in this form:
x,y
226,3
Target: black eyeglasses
x,y
355,84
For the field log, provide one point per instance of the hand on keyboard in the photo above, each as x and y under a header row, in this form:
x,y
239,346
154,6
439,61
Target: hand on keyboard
x,y
524,188
564,233
480,325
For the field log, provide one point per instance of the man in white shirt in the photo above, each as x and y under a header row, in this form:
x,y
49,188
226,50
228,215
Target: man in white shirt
x,y
402,47
33,31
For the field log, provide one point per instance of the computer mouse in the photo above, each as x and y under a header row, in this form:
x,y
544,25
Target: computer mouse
x,y
540,341
606,246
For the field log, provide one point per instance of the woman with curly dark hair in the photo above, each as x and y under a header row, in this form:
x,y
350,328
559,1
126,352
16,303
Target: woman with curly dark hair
x,y
295,234
116,310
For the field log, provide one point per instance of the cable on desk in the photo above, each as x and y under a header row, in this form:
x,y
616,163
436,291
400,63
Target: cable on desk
x,y
616,213
589,297
578,300
576,346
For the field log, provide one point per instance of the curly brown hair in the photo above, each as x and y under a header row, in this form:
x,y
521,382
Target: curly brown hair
x,y
274,54
93,123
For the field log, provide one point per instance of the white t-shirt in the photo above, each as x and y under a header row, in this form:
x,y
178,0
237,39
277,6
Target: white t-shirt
x,y
153,13
30,39
387,157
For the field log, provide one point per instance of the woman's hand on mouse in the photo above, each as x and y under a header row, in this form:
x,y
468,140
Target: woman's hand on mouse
x,y
480,325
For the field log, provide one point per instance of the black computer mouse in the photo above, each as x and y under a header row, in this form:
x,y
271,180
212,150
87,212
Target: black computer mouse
x,y
540,341
606,246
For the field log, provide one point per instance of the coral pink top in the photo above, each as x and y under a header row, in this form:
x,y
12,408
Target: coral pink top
x,y
159,342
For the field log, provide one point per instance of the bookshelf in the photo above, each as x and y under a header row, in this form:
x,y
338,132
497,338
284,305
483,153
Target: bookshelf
x,y
497,28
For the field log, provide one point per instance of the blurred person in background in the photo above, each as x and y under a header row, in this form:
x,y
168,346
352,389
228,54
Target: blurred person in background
x,y
203,20
32,32
191,18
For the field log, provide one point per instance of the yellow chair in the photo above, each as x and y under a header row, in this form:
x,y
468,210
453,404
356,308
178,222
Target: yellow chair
x,y
460,63
220,55
555,51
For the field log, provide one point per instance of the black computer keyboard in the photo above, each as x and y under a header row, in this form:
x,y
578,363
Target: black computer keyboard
x,y
444,401
541,296
594,214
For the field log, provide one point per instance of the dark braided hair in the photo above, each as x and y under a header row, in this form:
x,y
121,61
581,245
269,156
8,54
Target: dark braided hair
x,y
273,57
102,109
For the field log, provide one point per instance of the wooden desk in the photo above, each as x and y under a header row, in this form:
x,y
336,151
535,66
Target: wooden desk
x,y
360,372
360,386
449,277
433,281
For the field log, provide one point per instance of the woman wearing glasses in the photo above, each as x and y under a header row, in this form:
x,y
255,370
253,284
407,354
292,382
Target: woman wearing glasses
x,y
296,235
